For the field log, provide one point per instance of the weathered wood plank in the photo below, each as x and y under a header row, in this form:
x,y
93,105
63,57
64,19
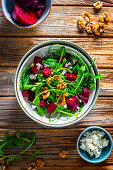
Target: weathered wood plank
x,y
7,81
81,2
11,115
13,49
62,21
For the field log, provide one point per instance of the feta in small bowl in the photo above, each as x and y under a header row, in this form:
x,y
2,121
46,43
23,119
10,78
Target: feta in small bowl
x,y
94,144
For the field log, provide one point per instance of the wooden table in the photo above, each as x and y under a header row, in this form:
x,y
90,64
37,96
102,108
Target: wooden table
x,y
60,25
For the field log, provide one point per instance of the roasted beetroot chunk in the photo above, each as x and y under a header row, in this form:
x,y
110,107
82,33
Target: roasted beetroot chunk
x,y
24,3
34,70
74,107
72,100
38,60
24,17
39,12
46,72
51,107
43,103
86,91
71,76
31,97
84,99
26,93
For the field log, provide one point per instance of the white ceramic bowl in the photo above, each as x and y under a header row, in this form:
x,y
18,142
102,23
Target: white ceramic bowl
x,y
40,50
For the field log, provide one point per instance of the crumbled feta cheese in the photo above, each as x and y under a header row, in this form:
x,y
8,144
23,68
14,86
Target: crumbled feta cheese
x,y
38,66
33,76
64,72
93,142
65,106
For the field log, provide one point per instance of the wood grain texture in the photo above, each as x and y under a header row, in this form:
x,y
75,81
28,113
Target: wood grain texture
x,y
81,2
62,22
15,48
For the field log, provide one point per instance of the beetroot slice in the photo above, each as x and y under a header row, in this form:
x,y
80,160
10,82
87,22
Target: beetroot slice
x,y
38,60
71,76
24,3
34,70
24,17
72,100
86,91
74,107
46,72
43,103
31,97
26,93
39,12
84,99
51,107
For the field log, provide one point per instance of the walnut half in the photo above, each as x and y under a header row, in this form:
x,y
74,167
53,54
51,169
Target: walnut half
x,y
104,17
64,154
5,165
97,5
45,95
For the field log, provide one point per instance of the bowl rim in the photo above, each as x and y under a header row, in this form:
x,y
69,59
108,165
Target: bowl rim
x,y
93,128
65,43
26,26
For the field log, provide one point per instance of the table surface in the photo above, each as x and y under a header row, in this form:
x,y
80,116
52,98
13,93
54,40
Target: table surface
x,y
60,25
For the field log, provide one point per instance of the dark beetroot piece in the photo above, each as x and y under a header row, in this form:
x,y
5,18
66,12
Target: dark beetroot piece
x,y
26,93
74,107
38,60
71,76
72,100
84,99
86,91
41,6
24,17
46,72
43,103
51,107
31,97
35,4
34,70
39,13
24,3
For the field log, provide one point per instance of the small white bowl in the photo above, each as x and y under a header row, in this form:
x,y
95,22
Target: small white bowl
x,y
40,50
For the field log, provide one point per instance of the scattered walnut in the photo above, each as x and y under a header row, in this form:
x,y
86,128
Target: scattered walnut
x,y
33,64
45,95
90,27
81,22
64,154
62,85
5,165
62,99
87,17
56,77
104,17
49,80
99,28
40,163
35,165
97,5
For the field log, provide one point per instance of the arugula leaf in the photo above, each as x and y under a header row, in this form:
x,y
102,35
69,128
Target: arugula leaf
x,y
25,79
50,62
25,140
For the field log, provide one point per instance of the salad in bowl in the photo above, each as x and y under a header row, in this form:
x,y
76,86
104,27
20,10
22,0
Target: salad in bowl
x,y
56,84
